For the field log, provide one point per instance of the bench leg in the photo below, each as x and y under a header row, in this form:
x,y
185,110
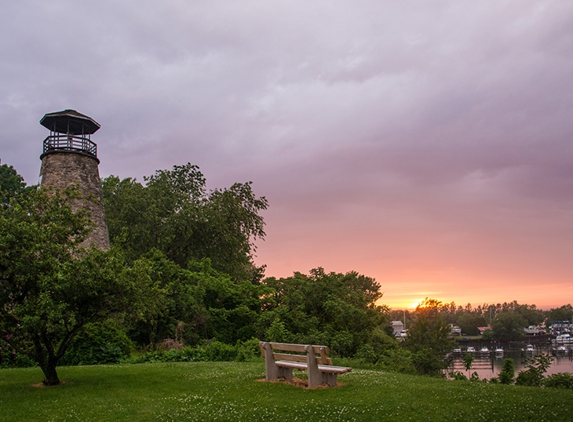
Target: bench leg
x,y
315,377
272,371
271,368
286,373
329,378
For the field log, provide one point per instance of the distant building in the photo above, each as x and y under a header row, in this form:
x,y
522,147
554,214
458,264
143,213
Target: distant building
x,y
397,327
482,329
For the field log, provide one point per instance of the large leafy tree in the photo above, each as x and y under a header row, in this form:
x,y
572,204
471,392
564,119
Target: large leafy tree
x,y
50,286
335,309
174,213
429,338
469,323
508,326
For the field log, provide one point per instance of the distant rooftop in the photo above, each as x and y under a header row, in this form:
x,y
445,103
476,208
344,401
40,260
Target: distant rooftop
x,y
71,122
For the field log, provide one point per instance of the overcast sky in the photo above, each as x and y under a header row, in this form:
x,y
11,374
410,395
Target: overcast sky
x,y
427,144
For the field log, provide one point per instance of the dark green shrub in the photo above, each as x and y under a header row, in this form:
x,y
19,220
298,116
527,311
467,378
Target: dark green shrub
x,y
187,354
217,351
277,332
534,374
397,360
458,376
11,359
366,354
474,377
507,374
248,350
427,362
560,380
342,343
468,361
99,343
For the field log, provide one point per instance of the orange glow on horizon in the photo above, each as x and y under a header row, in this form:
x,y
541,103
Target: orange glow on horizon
x,y
415,304
403,288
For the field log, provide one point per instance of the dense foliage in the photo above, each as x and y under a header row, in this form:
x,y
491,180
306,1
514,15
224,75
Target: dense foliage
x,y
198,303
336,309
174,213
11,184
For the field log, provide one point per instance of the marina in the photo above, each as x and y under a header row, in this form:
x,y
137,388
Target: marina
x,y
489,364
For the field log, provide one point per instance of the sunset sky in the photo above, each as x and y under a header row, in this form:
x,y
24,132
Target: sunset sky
x,y
427,144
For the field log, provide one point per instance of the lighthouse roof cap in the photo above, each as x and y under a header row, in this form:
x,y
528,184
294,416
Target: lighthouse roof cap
x,y
69,121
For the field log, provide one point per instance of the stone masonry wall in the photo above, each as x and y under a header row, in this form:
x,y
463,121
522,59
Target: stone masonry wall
x,y
60,169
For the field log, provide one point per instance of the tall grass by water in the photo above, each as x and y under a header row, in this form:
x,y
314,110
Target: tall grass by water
x,y
233,391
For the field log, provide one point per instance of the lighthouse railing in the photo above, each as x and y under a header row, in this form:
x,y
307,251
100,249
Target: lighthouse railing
x,y
67,142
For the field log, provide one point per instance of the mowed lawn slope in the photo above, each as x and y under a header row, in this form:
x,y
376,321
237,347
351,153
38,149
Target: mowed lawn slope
x,y
230,391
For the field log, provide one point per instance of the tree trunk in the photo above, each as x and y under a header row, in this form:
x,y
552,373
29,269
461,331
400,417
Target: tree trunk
x,y
50,374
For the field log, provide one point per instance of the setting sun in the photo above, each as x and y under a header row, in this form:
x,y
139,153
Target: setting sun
x,y
415,304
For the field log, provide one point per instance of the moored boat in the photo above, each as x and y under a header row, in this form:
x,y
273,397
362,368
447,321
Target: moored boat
x,y
563,339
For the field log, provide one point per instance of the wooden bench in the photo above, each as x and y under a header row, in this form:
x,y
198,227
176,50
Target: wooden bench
x,y
303,357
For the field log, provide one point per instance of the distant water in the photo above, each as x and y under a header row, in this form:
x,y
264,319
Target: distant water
x,y
491,367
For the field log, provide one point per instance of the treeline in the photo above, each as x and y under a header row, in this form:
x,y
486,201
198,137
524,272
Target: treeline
x,y
507,320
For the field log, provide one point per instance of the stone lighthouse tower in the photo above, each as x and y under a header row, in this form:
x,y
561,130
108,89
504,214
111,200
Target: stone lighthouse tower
x,y
70,157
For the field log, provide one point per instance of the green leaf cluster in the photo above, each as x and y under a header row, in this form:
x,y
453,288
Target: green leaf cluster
x,y
173,212
197,303
11,184
534,374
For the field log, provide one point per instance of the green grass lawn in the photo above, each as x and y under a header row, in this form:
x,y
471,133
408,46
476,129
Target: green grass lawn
x,y
229,391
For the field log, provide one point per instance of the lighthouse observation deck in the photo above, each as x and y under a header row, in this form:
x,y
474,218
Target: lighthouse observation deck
x,y
70,131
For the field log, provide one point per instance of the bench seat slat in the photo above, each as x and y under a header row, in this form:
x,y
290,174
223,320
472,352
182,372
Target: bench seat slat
x,y
322,368
288,364
334,369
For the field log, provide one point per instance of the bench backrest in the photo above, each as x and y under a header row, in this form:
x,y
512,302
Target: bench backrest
x,y
297,352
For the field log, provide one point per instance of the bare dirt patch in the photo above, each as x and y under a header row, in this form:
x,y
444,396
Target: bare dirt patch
x,y
42,385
